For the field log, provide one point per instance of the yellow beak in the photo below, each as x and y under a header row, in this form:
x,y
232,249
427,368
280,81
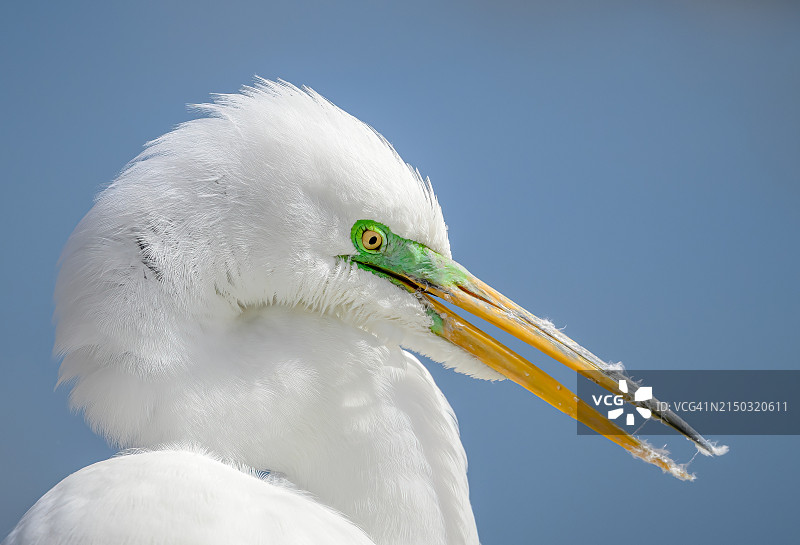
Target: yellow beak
x,y
435,278
498,310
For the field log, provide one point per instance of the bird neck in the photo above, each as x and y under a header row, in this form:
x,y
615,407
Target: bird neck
x,y
359,424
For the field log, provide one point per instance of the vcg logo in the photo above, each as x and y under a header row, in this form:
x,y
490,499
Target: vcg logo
x,y
643,393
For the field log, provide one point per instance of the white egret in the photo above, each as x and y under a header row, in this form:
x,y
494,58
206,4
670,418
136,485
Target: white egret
x,y
238,300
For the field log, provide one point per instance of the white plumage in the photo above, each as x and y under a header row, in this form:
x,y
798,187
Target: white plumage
x,y
178,496
201,306
222,309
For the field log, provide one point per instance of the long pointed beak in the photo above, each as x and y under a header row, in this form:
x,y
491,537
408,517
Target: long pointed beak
x,y
514,367
435,278
480,299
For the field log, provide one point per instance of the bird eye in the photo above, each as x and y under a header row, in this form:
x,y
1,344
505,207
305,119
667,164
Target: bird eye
x,y
371,240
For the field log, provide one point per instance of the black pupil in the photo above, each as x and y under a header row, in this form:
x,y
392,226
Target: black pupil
x,y
373,240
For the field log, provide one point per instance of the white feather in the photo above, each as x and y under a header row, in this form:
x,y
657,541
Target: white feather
x,y
180,497
202,301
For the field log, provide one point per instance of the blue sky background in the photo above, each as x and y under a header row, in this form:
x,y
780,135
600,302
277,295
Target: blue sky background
x,y
653,146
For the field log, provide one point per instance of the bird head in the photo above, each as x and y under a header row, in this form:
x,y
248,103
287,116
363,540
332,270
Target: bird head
x,y
279,198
